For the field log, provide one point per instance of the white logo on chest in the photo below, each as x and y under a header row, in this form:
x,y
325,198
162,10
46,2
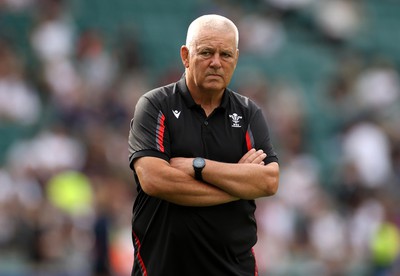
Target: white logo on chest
x,y
176,113
235,120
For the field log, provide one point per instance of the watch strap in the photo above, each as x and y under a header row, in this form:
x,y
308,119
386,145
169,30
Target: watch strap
x,y
197,174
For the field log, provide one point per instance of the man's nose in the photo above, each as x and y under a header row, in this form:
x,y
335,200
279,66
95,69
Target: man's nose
x,y
216,61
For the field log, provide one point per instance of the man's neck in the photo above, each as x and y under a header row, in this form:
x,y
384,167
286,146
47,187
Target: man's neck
x,y
208,100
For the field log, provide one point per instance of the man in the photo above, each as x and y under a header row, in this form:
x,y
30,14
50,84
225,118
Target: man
x,y
201,154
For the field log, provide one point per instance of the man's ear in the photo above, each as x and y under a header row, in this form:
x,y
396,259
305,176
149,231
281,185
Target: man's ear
x,y
185,56
237,57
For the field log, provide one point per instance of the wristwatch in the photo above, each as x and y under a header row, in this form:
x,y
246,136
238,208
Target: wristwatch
x,y
198,166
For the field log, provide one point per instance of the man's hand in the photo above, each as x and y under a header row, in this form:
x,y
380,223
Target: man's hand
x,y
253,156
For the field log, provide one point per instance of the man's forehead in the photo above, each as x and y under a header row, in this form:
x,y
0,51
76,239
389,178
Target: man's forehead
x,y
215,38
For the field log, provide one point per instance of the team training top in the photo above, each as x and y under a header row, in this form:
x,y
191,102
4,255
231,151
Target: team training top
x,y
176,240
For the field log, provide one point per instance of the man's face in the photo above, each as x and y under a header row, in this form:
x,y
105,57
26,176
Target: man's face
x,y
212,59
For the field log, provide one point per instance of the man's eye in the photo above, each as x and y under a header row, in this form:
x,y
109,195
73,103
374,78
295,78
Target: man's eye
x,y
205,53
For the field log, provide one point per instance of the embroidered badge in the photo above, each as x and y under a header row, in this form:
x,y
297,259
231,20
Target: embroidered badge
x,y
235,120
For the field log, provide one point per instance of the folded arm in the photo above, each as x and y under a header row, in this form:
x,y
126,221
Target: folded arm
x,y
224,182
248,179
159,179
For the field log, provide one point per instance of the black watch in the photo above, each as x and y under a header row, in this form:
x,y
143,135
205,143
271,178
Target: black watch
x,y
198,165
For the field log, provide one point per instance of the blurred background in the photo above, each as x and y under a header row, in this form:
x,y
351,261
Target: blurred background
x,y
325,72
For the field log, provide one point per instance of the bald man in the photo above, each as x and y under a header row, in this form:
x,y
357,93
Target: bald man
x,y
201,154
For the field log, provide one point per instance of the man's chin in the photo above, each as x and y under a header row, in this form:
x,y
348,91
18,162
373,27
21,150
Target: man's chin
x,y
216,86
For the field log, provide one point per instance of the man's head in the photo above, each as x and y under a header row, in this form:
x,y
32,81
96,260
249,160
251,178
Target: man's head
x,y
211,53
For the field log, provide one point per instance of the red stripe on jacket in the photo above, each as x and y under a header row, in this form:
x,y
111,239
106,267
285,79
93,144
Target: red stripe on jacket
x,y
138,256
160,132
248,141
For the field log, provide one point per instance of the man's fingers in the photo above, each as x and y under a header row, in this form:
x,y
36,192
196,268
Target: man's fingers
x,y
253,156
259,157
246,156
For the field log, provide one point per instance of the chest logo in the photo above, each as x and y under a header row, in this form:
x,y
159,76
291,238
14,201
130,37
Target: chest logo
x,y
235,120
176,113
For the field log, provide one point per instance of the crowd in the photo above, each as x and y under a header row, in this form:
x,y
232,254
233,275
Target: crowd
x,y
66,191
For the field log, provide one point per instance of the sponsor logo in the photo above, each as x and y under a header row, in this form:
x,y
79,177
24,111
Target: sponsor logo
x,y
176,113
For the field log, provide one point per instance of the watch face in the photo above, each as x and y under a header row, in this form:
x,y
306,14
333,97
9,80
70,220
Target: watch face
x,y
199,162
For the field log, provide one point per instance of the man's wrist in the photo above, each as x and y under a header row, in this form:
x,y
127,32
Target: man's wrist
x,y
198,165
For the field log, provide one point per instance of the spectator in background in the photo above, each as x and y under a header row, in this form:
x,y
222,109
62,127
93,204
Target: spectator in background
x,y
53,40
337,20
367,149
19,102
95,64
53,34
377,87
261,35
